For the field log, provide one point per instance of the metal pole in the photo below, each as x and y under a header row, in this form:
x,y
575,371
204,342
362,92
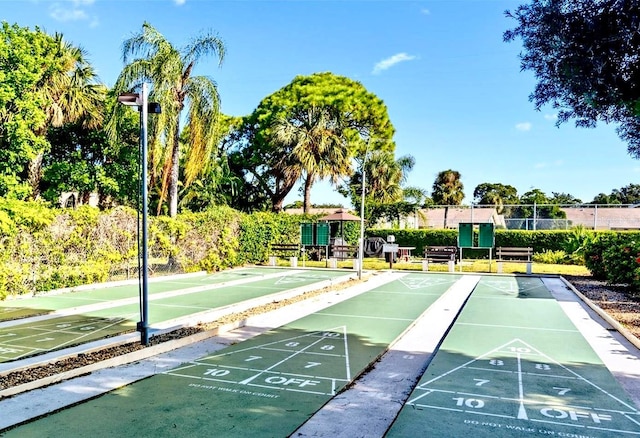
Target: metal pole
x,y
144,324
361,249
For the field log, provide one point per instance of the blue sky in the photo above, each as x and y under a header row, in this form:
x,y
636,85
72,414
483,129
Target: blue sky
x,y
453,88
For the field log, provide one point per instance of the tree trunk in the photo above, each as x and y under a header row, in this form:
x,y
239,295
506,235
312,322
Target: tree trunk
x,y
173,178
283,187
35,175
307,193
446,213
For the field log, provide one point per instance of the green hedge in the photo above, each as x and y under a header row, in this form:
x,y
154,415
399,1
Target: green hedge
x,y
539,240
44,248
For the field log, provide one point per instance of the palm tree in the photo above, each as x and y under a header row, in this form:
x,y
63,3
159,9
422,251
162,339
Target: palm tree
x,y
313,147
447,190
149,57
385,177
385,191
74,95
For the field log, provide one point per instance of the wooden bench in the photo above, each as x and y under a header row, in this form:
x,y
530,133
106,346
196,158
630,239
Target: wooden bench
x,y
344,252
508,254
440,254
291,250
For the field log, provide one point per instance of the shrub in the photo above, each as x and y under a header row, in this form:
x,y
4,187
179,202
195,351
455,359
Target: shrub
x,y
594,249
622,263
576,243
552,257
261,229
69,276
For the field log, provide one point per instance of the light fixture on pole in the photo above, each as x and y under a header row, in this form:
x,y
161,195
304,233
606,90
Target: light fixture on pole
x,y
140,101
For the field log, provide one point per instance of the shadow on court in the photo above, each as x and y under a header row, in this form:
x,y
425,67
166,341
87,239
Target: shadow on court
x,y
267,386
26,340
10,313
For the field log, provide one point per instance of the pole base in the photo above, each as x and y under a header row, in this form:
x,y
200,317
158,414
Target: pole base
x,y
144,332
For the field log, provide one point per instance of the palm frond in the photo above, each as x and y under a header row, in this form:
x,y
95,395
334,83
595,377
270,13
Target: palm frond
x,y
205,45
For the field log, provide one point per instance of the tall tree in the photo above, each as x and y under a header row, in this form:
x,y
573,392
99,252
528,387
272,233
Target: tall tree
x,y
538,201
149,56
584,54
217,184
447,190
384,178
385,193
564,199
496,194
76,106
75,94
361,115
82,160
603,198
629,194
44,81
317,147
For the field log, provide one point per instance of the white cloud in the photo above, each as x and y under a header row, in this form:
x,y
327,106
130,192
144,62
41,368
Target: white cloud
x,y
425,11
75,10
179,2
391,61
551,116
524,126
59,13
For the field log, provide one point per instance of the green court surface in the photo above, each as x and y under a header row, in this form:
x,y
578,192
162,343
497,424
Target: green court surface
x,y
514,365
32,338
265,386
26,307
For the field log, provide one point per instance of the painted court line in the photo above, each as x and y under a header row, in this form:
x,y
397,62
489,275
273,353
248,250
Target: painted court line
x,y
217,374
519,373
17,351
30,349
515,327
106,303
381,318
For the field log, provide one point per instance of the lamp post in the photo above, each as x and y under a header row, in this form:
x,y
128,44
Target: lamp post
x,y
141,101
361,249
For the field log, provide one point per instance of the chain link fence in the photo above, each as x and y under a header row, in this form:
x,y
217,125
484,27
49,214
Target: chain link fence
x,y
527,216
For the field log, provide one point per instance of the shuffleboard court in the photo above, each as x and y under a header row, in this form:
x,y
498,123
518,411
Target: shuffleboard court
x,y
38,305
33,338
514,365
266,386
